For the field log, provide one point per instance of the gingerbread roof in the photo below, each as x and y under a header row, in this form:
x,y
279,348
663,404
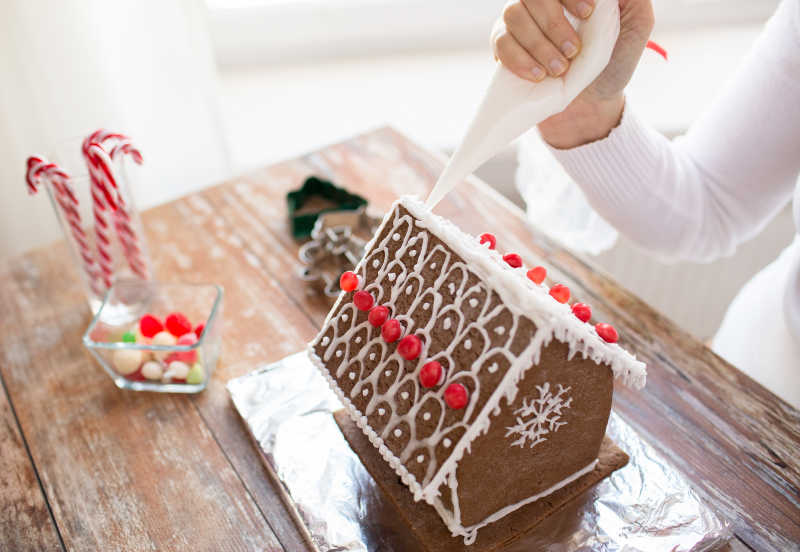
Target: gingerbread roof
x,y
482,320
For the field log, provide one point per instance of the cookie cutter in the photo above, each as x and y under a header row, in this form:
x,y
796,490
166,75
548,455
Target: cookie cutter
x,y
333,199
338,239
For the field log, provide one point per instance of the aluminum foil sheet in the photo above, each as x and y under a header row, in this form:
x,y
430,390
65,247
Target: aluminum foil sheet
x,y
287,406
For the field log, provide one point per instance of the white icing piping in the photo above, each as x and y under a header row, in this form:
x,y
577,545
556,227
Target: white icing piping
x,y
524,297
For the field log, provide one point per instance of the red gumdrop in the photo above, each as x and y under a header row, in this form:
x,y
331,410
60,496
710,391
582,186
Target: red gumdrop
x,y
378,315
199,329
537,274
136,376
560,293
363,300
149,325
409,347
177,324
189,357
513,260
607,332
456,396
582,311
430,374
348,281
490,239
391,330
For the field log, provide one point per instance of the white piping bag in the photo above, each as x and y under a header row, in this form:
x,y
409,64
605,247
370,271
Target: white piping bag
x,y
513,105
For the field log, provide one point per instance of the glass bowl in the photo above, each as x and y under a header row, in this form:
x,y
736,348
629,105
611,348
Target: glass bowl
x,y
157,363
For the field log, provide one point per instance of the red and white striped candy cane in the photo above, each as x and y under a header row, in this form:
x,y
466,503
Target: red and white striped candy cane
x,y
122,219
107,199
102,203
38,170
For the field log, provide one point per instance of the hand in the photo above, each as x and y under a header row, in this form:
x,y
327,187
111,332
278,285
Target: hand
x,y
525,40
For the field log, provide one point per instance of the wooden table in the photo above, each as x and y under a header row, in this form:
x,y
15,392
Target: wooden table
x,y
85,466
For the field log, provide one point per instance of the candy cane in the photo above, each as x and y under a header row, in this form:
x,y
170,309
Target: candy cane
x,y
122,220
102,200
38,169
106,197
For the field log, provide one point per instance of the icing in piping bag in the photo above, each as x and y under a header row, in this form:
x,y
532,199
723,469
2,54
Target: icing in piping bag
x,y
513,105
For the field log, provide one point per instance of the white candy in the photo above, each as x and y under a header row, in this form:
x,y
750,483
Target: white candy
x,y
127,361
152,370
176,370
163,338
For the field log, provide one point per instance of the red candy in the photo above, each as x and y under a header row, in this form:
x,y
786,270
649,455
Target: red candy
x,y
513,260
607,332
363,300
560,293
582,311
348,281
149,325
456,396
430,374
537,274
189,357
177,324
198,330
391,330
409,347
490,239
136,376
378,315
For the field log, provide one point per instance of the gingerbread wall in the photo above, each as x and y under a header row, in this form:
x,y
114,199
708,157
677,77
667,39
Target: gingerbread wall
x,y
497,473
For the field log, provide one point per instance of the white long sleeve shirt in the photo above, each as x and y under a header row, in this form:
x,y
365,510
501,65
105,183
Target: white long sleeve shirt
x,y
699,196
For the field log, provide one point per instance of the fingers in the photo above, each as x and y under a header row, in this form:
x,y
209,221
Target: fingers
x,y
521,25
549,17
579,8
514,57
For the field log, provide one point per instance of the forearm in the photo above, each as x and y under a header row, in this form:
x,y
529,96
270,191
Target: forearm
x,y
584,121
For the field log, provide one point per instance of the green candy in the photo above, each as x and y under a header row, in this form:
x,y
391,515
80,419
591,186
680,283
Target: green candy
x,y
128,337
196,375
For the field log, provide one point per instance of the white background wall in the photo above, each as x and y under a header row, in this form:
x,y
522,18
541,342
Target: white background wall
x,y
262,80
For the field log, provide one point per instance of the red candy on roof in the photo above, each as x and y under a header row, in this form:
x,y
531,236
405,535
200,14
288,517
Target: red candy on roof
x,y
431,374
363,300
513,260
409,347
348,281
456,396
391,330
537,274
607,332
378,315
560,293
490,239
582,311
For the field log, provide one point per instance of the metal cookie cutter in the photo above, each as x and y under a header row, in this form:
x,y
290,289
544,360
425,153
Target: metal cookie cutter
x,y
337,243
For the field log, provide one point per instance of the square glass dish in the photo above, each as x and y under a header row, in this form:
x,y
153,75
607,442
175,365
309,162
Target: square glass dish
x,y
165,354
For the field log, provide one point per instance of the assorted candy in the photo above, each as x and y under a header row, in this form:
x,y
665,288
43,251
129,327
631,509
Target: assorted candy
x,y
161,366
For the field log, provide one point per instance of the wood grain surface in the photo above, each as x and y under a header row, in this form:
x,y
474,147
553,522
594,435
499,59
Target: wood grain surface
x,y
89,467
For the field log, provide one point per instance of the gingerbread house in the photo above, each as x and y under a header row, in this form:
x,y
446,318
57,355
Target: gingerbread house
x,y
479,385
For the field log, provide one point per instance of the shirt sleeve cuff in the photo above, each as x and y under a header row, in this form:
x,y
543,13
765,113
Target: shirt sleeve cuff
x,y
615,167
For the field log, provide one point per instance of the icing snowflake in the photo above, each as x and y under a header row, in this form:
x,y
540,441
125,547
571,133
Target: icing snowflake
x,y
541,416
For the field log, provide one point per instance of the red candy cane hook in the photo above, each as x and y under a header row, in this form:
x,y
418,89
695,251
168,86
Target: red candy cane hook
x,y
657,48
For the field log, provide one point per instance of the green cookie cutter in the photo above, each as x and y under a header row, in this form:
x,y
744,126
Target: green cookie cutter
x,y
330,198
